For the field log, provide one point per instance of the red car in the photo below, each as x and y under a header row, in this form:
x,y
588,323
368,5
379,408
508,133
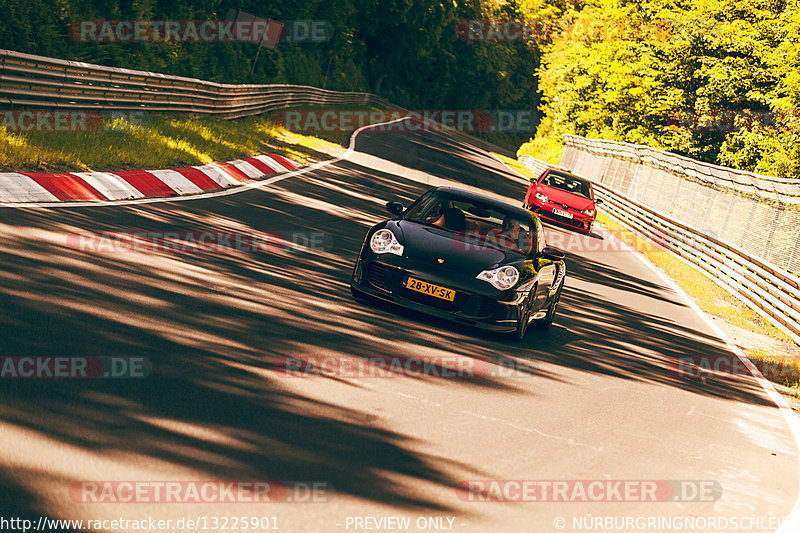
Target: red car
x,y
560,197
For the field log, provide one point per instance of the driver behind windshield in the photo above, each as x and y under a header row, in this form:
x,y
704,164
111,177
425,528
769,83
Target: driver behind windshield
x,y
512,236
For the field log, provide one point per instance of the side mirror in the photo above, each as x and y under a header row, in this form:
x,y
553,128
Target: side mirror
x,y
552,253
598,201
395,208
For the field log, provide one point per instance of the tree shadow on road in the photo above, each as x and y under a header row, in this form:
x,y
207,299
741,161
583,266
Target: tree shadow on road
x,y
215,323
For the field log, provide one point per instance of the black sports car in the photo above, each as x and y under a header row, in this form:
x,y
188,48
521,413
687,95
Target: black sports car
x,y
465,257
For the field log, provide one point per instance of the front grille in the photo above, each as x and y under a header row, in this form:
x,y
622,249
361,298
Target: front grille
x,y
431,301
479,306
378,276
389,279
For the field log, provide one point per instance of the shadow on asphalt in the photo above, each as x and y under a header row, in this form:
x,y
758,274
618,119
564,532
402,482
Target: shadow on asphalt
x,y
215,325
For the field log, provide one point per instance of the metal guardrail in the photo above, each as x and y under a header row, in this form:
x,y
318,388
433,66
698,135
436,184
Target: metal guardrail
x,y
36,81
757,214
758,186
767,289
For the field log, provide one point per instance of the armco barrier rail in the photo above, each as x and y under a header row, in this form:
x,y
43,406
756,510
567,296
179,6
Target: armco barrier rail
x,y
758,214
35,81
43,82
771,291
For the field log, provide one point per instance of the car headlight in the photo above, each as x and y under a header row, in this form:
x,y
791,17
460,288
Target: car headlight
x,y
384,242
588,212
502,278
541,197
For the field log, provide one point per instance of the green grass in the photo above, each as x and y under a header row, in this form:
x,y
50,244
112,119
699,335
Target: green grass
x,y
516,165
162,141
172,141
778,368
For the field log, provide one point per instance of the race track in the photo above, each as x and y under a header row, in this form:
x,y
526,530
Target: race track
x,y
594,399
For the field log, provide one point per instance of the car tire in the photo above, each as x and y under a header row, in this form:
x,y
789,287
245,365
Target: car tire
x,y
522,323
545,323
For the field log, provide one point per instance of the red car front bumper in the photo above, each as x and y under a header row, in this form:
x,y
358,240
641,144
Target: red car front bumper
x,y
578,221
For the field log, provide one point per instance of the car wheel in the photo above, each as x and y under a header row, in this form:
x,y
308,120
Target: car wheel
x,y
522,324
545,323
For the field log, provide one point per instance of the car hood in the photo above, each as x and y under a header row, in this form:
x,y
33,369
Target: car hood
x,y
461,251
563,197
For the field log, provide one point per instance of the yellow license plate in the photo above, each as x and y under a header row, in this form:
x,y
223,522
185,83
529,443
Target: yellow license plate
x,y
430,289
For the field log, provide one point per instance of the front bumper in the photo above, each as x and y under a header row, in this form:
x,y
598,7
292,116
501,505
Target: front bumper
x,y
384,281
578,221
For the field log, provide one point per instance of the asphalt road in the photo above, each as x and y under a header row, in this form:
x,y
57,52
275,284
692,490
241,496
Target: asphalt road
x,y
596,398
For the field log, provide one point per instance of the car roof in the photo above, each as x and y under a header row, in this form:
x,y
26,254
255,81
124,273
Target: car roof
x,y
469,195
564,173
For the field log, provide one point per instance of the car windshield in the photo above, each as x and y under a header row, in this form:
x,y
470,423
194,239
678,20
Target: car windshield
x,y
481,223
568,183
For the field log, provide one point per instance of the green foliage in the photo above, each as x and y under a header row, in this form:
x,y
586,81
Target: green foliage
x,y
404,50
547,149
663,73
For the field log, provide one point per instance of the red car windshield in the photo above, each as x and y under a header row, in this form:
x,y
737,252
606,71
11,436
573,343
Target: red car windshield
x,y
567,183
